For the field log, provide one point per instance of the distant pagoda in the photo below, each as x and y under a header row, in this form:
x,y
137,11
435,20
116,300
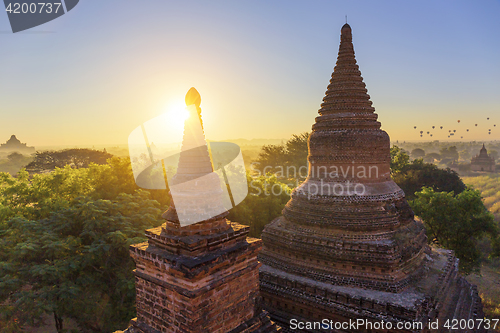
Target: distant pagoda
x,y
202,277
347,246
482,162
14,145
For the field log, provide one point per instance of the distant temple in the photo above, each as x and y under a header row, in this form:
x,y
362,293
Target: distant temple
x,y
13,144
482,162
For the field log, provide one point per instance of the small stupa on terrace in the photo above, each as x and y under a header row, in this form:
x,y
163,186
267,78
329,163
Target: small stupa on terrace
x,y
347,246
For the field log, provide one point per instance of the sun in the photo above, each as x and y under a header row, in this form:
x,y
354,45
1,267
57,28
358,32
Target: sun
x,y
177,115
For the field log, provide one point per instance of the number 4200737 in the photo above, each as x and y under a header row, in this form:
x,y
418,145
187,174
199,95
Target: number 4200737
x,y
33,8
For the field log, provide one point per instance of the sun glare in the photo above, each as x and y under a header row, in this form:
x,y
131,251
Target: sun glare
x,y
177,115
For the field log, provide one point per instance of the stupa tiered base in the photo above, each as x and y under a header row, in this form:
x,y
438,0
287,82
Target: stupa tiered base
x,y
439,295
200,278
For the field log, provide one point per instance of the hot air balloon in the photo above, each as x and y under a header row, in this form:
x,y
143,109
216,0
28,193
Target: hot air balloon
x,y
467,130
421,132
489,130
431,134
433,127
476,124
441,127
415,127
427,132
449,130
458,121
420,135
461,137
487,118
454,131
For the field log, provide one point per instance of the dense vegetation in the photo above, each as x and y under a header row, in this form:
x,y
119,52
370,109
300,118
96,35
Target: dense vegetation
x,y
456,222
411,176
65,234
64,237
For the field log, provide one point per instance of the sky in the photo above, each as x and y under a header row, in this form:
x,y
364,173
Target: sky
x,y
93,75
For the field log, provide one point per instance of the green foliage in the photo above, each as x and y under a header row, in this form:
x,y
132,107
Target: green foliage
x,y
64,237
399,160
75,263
456,222
412,176
449,154
265,201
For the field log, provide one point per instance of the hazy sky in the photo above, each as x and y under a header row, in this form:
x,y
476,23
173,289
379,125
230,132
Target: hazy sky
x,y
261,67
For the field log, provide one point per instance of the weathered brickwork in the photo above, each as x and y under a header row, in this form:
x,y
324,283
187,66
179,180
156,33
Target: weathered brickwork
x,y
213,288
348,245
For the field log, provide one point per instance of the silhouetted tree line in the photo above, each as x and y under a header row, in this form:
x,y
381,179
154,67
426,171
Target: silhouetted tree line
x,y
76,158
275,159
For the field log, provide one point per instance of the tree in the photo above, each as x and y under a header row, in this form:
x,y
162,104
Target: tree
x,y
75,263
450,153
456,222
271,156
417,153
399,160
432,157
297,150
46,224
464,155
285,160
412,176
76,158
265,201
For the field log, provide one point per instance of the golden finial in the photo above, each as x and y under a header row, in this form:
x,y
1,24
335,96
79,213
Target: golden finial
x,y
193,97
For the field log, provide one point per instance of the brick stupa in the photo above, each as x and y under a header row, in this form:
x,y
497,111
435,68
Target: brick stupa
x,y
347,246
202,277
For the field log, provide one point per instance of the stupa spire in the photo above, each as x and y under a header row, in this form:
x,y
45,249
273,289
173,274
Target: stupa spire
x,y
346,96
195,189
